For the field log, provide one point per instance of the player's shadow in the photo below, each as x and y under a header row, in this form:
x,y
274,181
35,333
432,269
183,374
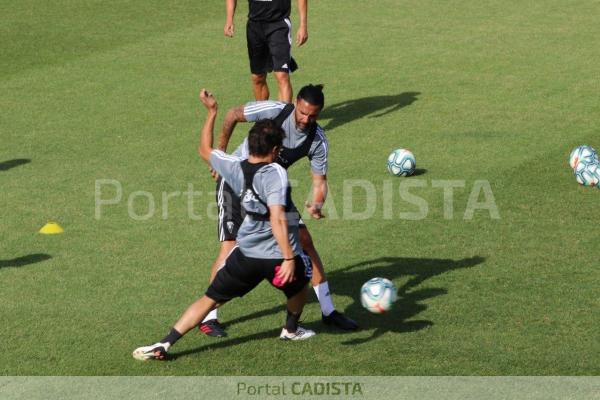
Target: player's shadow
x,y
347,281
9,164
411,298
25,260
221,343
371,107
344,282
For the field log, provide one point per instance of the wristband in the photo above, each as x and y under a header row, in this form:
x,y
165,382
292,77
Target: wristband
x,y
289,259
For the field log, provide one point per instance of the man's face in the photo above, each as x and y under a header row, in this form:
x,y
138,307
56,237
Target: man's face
x,y
305,114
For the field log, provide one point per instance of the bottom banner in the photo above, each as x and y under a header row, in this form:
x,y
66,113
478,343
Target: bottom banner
x,y
291,387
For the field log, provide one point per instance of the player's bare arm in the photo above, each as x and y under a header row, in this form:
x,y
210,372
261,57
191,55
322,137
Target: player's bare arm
x,y
279,224
229,28
319,194
302,33
233,116
206,135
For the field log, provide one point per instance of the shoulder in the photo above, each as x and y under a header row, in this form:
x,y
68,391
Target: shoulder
x,y
224,163
320,134
274,173
273,169
320,140
221,156
257,107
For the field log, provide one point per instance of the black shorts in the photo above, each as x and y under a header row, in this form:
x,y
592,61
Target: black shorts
x,y
270,46
231,213
241,274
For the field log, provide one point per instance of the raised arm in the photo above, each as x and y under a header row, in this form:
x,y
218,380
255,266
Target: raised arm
x,y
302,34
319,194
229,28
233,116
279,224
206,135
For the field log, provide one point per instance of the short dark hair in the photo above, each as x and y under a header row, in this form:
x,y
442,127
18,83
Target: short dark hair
x,y
264,136
312,94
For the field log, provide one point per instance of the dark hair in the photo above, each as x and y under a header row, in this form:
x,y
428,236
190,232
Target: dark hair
x,y
312,94
264,136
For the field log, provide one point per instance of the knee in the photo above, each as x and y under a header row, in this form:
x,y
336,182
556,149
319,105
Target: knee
x,y
283,78
306,240
259,79
226,247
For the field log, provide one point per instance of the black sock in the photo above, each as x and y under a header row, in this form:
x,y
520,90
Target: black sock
x,y
291,323
172,337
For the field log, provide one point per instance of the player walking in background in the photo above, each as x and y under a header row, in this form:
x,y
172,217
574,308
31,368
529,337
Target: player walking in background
x,y
269,40
267,242
304,138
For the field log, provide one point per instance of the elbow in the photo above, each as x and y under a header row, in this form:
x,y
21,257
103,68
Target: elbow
x,y
204,153
274,222
278,221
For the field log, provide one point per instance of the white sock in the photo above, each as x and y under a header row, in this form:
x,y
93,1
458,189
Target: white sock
x,y
322,291
210,315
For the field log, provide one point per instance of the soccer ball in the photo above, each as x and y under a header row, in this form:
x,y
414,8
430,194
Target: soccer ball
x,y
596,170
377,295
585,154
401,163
587,174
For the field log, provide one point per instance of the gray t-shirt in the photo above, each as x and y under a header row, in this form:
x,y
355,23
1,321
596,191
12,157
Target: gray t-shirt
x,y
317,154
255,238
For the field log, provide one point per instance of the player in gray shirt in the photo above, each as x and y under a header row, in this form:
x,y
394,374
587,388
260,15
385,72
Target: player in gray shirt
x,y
268,246
304,138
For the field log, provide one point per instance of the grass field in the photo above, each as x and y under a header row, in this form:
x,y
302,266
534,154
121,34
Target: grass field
x,y
478,90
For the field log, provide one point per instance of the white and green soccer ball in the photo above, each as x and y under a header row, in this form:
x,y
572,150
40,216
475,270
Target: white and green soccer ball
x,y
585,154
401,163
378,295
587,174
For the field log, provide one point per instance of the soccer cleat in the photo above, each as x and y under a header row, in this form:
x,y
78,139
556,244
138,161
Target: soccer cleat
x,y
300,334
340,320
213,328
156,351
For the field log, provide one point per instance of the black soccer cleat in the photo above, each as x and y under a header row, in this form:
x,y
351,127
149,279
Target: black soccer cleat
x,y
213,328
340,320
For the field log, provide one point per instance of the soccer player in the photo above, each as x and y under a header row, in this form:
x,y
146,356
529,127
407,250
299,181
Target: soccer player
x,y
267,243
269,41
304,138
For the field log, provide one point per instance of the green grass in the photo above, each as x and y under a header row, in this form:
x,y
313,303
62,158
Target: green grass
x,y
496,91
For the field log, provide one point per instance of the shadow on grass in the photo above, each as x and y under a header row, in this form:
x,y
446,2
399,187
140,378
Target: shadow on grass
x,y
25,260
9,164
221,343
348,111
347,282
418,172
411,298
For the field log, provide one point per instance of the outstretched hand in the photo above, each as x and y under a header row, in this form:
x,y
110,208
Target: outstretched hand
x,y
208,100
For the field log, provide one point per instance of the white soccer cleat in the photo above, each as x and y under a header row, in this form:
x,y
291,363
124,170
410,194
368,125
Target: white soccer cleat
x,y
300,334
156,351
